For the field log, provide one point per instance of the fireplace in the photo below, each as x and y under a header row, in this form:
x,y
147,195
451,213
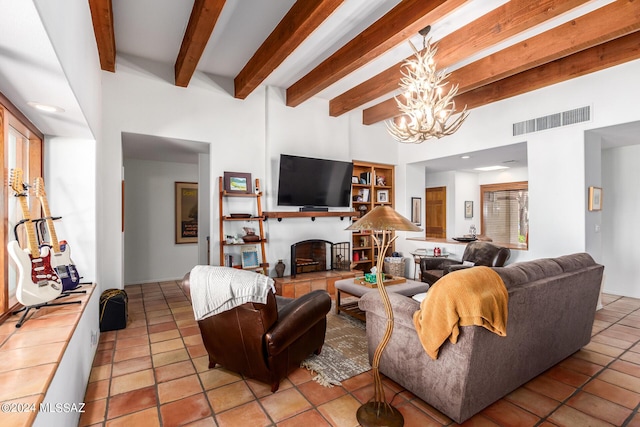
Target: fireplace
x,y
319,255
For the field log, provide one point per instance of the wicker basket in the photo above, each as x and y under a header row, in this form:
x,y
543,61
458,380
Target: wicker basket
x,y
394,266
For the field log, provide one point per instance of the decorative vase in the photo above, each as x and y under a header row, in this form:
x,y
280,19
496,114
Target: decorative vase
x,y
280,268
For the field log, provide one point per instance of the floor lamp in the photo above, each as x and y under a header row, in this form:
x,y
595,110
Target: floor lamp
x,y
384,220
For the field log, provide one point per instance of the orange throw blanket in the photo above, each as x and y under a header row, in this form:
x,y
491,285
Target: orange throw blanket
x,y
473,296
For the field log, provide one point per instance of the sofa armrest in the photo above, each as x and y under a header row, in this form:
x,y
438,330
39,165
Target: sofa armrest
x,y
295,318
403,307
434,263
452,268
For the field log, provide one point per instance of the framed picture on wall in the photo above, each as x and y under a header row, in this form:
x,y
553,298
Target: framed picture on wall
x,y
186,208
416,210
595,198
468,209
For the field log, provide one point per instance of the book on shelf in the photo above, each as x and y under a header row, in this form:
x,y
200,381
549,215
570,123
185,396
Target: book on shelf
x,y
365,178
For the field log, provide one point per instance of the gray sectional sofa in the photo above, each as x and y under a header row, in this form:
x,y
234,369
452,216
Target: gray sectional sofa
x,y
552,304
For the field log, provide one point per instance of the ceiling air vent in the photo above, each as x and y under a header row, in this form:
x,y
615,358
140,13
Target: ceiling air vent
x,y
578,115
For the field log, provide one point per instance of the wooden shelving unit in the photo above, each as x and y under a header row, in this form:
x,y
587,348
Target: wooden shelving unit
x,y
375,188
257,218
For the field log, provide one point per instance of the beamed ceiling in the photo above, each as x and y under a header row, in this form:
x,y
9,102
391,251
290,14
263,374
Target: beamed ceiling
x,y
350,51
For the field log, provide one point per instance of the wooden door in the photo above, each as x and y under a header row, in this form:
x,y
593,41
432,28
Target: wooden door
x,y
436,212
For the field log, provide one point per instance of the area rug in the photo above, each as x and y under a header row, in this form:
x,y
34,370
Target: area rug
x,y
344,353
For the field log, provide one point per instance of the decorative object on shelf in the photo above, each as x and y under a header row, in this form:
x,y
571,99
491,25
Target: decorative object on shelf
x,y
385,220
424,102
237,182
250,235
186,208
595,198
465,239
250,257
468,209
380,180
382,196
416,210
280,266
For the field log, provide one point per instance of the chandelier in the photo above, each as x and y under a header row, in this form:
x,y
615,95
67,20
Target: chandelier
x,y
426,109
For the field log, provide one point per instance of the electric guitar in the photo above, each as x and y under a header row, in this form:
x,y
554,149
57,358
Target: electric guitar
x,y
37,282
60,250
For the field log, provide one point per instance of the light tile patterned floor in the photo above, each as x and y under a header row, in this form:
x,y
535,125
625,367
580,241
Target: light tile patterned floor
x,y
154,373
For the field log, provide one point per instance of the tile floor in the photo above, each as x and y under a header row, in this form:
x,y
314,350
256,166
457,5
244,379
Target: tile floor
x,y
154,373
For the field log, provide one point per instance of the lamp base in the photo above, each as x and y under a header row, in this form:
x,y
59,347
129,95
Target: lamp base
x,y
376,414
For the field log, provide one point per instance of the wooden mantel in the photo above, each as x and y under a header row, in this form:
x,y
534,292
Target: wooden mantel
x,y
279,215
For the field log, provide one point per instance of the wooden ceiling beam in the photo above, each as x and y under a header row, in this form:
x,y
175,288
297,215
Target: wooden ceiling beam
x,y
204,16
397,26
597,58
303,18
496,26
102,18
609,22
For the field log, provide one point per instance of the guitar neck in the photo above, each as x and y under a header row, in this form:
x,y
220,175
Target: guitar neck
x,y
30,228
55,245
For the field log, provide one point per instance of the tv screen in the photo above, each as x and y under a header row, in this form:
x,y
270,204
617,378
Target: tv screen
x,y
306,181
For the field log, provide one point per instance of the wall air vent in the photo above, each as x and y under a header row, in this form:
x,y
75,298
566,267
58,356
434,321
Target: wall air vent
x,y
578,115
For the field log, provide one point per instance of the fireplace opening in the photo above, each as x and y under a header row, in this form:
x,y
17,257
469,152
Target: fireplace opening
x,y
319,255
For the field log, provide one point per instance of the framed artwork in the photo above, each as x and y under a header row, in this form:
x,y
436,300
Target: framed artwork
x,y
468,209
250,257
355,180
416,210
383,196
237,182
595,198
186,218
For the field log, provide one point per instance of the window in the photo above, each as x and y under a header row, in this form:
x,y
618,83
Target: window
x,y
20,146
504,211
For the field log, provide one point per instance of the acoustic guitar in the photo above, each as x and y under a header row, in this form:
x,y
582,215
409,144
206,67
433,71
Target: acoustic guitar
x,y
60,251
37,281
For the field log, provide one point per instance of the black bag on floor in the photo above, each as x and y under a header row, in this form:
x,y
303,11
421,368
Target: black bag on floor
x,y
113,310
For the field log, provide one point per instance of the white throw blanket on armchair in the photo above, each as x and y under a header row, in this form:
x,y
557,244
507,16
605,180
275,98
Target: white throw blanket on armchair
x,y
217,289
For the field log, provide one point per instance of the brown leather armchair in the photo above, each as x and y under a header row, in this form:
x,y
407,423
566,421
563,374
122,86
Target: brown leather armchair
x,y
479,253
266,341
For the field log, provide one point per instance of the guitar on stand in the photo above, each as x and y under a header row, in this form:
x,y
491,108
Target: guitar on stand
x,y
60,251
38,283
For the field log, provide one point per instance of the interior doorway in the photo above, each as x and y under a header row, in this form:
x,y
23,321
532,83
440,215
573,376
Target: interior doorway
x,y
436,212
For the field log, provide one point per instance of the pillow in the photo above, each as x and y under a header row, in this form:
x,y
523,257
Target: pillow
x,y
468,263
419,297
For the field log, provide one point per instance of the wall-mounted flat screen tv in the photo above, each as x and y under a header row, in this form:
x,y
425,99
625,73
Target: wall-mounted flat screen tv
x,y
309,182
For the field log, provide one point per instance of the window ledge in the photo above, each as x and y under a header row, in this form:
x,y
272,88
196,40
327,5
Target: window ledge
x,y
33,353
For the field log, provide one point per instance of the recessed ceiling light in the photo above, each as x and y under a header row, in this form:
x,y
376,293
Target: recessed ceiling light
x,y
491,168
45,107
465,157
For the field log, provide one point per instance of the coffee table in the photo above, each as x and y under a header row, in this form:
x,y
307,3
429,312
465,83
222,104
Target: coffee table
x,y
350,288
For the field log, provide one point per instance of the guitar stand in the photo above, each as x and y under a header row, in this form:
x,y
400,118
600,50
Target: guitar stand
x,y
28,308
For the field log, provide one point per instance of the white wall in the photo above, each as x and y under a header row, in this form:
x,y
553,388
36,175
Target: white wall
x,y
141,98
620,213
70,186
150,250
556,157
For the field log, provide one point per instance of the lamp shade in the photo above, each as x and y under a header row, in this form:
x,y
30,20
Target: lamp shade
x,y
384,218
